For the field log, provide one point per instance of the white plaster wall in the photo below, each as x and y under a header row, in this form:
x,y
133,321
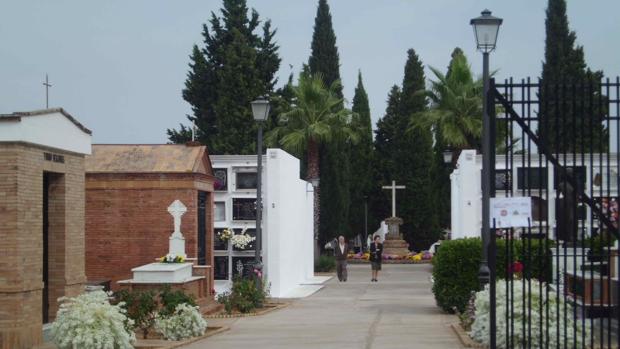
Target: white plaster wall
x,y
52,130
288,241
466,197
288,225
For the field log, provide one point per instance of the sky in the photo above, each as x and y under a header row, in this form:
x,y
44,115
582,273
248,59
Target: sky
x,y
119,66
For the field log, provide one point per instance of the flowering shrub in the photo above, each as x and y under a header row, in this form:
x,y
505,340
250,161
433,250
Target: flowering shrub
x,y
225,234
560,315
185,322
90,321
241,241
172,258
245,296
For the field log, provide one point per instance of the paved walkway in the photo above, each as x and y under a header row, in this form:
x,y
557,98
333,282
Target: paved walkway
x,y
397,312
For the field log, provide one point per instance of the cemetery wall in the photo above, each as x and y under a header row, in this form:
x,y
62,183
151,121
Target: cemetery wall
x,y
128,224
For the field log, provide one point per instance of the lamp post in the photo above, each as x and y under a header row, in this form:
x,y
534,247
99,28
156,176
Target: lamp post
x,y
486,28
260,111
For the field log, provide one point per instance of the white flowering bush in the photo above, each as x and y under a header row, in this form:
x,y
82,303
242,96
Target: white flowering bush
x,y
185,322
241,241
551,304
89,321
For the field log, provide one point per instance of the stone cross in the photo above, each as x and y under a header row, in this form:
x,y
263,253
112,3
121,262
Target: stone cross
x,y
177,210
177,242
393,187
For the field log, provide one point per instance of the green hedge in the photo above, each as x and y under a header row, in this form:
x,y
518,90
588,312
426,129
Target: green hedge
x,y
456,265
325,264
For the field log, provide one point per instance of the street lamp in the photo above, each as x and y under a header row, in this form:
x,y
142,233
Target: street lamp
x,y
486,28
260,110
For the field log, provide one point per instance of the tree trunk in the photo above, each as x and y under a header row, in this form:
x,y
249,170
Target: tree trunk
x,y
313,173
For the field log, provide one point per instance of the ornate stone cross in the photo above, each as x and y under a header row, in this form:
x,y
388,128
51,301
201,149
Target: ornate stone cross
x,y
177,242
393,187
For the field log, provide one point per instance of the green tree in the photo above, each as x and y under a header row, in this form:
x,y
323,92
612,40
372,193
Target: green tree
x,y
315,119
383,161
361,161
413,160
335,156
456,108
580,121
325,58
235,66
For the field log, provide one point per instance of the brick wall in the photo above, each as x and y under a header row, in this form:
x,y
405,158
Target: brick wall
x,y
128,225
21,212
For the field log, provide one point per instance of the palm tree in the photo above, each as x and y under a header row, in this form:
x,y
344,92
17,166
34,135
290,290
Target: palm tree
x,y
456,107
317,117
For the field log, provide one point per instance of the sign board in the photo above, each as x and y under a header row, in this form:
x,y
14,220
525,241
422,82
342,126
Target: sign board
x,y
511,212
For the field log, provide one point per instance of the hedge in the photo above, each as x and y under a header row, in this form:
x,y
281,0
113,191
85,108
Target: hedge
x,y
456,265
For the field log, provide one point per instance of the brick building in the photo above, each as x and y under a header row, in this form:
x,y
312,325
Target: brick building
x,y
128,191
41,220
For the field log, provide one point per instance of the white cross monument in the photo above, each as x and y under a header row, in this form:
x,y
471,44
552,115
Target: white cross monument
x,y
393,187
177,241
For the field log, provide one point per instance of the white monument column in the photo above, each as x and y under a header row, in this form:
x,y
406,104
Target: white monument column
x,y
177,241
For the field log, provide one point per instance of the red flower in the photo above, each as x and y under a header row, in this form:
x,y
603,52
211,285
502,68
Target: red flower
x,y
516,267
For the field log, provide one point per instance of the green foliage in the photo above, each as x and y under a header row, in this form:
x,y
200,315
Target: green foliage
x,y
235,66
456,265
141,307
361,181
244,296
335,167
456,107
455,273
324,58
412,162
325,264
565,64
317,121
170,299
599,245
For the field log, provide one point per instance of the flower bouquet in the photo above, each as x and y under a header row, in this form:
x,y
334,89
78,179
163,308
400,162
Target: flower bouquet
x,y
225,234
241,241
172,258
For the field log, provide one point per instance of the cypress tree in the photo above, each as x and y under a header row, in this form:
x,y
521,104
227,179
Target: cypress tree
x,y
361,160
383,160
565,125
235,66
413,160
335,157
324,58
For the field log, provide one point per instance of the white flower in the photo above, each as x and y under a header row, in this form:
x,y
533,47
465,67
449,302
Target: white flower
x,y
532,318
241,241
185,322
89,321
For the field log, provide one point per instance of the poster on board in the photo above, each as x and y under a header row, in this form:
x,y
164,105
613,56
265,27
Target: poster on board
x,y
511,212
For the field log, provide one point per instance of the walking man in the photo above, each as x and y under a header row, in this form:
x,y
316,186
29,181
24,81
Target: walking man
x,y
341,259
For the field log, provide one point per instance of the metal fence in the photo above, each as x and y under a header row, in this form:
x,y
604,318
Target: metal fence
x,y
557,279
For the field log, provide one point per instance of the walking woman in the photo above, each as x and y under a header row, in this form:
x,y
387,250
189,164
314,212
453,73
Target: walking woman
x,y
376,250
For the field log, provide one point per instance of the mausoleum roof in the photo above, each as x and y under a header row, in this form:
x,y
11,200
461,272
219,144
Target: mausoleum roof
x,y
148,158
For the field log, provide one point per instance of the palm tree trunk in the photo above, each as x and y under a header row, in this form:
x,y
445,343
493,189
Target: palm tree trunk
x,y
313,173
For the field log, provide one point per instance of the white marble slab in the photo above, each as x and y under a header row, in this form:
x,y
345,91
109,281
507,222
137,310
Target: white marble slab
x,y
163,272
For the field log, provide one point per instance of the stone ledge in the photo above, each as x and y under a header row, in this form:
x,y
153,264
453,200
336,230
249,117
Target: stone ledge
x,y
164,344
263,311
465,339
